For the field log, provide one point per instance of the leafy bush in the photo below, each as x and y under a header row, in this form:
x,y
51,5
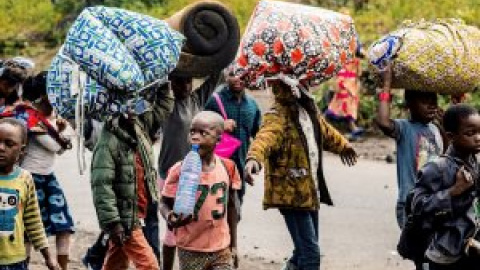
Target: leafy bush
x,y
31,25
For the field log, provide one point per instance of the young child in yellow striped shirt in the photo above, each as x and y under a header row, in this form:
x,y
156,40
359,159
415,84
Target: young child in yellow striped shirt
x,y
19,211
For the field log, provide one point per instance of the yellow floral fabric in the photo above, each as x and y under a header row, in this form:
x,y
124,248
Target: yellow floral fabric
x,y
441,56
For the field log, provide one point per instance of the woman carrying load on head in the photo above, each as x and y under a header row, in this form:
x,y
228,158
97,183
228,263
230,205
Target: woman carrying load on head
x,y
344,104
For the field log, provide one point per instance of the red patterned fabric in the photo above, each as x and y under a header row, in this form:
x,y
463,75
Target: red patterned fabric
x,y
310,44
31,117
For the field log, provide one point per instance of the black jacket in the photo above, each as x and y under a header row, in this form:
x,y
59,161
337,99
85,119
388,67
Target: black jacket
x,y
451,219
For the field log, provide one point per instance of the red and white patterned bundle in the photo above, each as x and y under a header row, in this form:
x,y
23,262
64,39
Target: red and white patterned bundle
x,y
305,43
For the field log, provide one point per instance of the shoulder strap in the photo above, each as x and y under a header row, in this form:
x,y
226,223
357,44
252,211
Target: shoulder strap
x,y
220,105
227,164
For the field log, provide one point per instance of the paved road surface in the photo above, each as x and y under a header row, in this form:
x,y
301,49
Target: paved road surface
x,y
360,232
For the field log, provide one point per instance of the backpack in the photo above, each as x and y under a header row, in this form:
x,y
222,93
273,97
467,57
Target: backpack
x,y
415,238
231,167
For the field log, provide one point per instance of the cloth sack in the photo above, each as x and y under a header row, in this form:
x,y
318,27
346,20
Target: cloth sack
x,y
212,38
65,81
441,56
228,144
153,44
306,43
101,54
110,55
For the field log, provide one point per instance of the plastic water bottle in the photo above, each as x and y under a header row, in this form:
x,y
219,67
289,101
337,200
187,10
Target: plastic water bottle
x,y
188,184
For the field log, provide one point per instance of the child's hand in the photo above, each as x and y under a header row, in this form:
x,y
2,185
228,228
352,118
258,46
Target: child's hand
x,y
229,125
49,261
349,156
464,181
252,167
61,124
234,253
117,234
52,264
175,221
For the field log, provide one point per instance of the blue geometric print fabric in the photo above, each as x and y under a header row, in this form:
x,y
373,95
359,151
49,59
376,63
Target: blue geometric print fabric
x,y
155,47
62,77
121,51
102,55
64,80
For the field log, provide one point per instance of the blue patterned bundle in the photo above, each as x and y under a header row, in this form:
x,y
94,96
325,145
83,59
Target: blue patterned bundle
x,y
102,55
155,47
111,54
63,82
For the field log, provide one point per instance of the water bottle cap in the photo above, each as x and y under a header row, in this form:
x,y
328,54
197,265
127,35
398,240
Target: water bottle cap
x,y
195,147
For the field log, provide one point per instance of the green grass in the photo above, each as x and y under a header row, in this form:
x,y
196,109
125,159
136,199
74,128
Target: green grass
x,y
40,20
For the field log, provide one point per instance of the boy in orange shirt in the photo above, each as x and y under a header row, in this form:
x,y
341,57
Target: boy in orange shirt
x,y
206,240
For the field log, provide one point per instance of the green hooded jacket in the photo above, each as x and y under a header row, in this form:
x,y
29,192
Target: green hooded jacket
x,y
113,174
282,147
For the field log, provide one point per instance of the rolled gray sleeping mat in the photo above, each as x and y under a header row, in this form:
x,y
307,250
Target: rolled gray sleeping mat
x,y
213,37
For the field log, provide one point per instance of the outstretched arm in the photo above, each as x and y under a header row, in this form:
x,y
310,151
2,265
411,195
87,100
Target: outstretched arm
x,y
269,137
334,142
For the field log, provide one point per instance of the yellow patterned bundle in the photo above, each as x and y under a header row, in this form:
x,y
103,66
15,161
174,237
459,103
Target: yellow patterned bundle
x,y
441,56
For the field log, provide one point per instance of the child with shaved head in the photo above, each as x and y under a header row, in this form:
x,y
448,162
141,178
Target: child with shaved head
x,y
207,239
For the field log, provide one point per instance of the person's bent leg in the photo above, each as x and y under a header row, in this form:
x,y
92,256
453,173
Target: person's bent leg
x,y
307,243
59,218
168,254
140,252
291,222
168,250
63,249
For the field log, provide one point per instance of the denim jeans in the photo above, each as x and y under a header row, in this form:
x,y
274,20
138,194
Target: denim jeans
x,y
15,266
303,228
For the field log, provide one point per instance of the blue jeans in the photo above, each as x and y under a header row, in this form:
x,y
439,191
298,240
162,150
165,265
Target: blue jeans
x,y
15,266
303,228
